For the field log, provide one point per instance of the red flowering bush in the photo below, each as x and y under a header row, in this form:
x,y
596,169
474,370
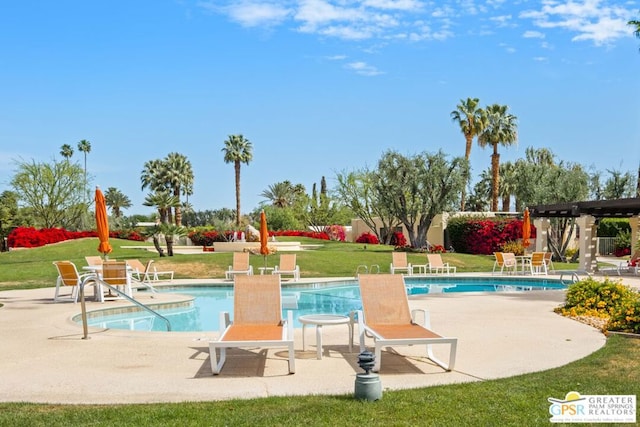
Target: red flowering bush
x,y
298,233
367,238
204,237
29,237
336,232
437,249
398,240
485,236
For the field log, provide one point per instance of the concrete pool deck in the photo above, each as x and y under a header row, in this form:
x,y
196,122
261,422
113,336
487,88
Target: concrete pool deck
x,y
45,359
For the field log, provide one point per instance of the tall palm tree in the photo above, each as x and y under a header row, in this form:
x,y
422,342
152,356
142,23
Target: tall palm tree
x,y
507,184
84,146
66,151
237,149
469,117
501,128
178,176
116,200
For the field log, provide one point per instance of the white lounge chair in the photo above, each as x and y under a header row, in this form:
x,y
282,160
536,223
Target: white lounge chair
x,y
240,265
400,264
436,265
257,320
387,318
148,273
288,266
537,263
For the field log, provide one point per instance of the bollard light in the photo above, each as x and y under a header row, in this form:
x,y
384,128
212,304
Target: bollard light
x,y
368,385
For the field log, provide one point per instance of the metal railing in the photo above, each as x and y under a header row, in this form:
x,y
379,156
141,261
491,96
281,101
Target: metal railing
x,y
363,269
85,325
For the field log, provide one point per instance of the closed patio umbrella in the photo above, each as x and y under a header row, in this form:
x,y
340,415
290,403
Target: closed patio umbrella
x,y
526,229
264,236
102,223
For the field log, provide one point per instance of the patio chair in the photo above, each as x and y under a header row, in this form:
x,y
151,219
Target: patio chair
x,y
115,273
537,263
399,263
386,317
632,265
548,260
505,261
287,266
240,265
68,276
437,265
257,320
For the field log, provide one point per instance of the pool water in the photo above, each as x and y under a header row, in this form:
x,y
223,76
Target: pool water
x,y
337,298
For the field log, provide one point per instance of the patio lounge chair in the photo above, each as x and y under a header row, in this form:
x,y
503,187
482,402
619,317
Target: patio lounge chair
x,y
147,273
240,265
386,317
505,261
399,263
288,266
68,276
438,266
257,320
93,260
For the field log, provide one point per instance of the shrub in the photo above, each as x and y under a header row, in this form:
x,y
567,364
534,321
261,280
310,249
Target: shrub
x,y
367,238
336,232
398,239
513,246
484,235
437,249
613,301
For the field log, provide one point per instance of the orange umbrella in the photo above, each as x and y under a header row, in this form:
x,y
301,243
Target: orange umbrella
x,y
526,228
264,234
102,223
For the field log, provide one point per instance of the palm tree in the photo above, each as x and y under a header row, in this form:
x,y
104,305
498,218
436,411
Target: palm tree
x,y
116,200
163,201
237,150
66,151
281,194
636,24
507,184
178,176
84,146
469,117
500,129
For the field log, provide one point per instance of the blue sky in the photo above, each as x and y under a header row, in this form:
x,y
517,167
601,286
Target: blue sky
x,y
317,86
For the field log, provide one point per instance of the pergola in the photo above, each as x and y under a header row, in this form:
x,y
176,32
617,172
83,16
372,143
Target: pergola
x,y
587,215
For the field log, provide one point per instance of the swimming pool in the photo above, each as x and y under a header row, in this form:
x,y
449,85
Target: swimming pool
x,y
332,297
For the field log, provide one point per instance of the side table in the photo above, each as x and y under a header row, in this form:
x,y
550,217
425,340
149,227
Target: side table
x,y
320,320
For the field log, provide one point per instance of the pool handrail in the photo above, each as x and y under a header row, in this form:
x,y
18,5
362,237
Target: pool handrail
x,y
85,324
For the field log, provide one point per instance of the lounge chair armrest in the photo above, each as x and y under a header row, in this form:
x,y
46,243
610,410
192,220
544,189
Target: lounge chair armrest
x,y
424,320
224,321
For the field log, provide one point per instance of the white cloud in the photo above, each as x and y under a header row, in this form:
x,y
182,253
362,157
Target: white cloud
x,y
363,69
533,35
593,20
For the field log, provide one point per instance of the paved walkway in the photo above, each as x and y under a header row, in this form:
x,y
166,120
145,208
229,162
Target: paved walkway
x,y
45,359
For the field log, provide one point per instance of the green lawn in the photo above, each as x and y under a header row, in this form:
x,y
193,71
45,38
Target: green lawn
x,y
29,268
516,401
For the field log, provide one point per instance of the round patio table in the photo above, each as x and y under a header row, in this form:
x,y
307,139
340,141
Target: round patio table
x,y
320,320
